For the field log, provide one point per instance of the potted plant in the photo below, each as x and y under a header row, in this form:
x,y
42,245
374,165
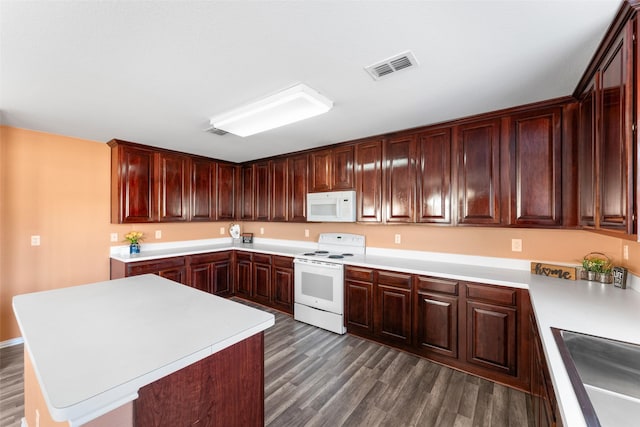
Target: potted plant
x,y
596,266
134,238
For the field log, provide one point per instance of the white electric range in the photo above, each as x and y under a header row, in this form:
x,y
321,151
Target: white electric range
x,y
319,280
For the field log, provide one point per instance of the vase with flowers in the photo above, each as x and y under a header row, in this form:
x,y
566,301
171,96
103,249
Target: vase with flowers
x,y
134,238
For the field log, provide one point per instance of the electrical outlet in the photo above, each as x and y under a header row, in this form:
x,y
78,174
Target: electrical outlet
x,y
114,237
516,245
158,234
35,240
625,252
306,232
221,230
398,239
261,230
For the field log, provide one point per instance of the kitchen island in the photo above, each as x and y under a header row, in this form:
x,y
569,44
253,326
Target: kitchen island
x,y
172,354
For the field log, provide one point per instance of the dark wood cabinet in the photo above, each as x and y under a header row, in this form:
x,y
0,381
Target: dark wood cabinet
x,y
297,188
212,272
247,193
535,150
331,169
491,328
359,300
478,172
400,179
226,194
543,399
261,286
203,189
279,202
174,268
434,171
369,181
282,283
173,187
243,274
586,158
132,184
392,307
436,316
262,191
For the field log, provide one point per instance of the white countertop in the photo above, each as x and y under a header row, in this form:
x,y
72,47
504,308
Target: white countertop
x,y
93,346
581,306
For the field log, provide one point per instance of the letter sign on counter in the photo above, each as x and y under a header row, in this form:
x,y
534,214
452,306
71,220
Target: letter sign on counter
x,y
558,271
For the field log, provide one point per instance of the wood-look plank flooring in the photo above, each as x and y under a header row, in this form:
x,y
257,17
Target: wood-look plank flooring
x,y
317,378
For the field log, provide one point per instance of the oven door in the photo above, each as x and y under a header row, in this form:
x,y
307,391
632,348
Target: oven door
x,y
319,285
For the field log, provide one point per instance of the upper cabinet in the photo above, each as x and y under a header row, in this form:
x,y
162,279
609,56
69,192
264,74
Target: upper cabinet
x,y
204,173
297,188
399,172
132,184
226,194
331,169
173,181
369,181
607,147
247,193
535,149
434,177
478,172
279,202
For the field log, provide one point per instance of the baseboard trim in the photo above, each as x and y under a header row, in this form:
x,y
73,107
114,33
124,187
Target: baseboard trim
x,y
11,342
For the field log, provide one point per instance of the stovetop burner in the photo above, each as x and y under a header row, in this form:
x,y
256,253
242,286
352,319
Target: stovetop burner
x,y
335,256
322,252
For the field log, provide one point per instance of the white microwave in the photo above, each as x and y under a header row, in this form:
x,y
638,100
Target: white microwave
x,y
332,206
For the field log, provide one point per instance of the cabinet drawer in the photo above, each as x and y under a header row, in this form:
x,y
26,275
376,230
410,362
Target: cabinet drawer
x,y
244,256
355,273
394,279
281,261
262,259
495,294
437,285
153,266
210,257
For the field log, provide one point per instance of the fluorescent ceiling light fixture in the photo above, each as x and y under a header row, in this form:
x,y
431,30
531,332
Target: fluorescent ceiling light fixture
x,y
288,106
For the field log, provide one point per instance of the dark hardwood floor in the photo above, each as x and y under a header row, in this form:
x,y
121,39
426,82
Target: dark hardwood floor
x,y
317,378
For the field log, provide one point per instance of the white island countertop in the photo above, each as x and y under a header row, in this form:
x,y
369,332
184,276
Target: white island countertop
x,y
94,346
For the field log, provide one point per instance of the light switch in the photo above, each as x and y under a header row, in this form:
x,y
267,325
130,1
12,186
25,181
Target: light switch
x,y
35,240
261,230
516,245
625,252
398,239
221,230
114,237
158,234
306,232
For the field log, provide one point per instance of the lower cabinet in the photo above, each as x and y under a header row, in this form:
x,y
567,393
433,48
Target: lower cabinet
x,y
261,286
477,328
170,268
244,274
212,273
282,283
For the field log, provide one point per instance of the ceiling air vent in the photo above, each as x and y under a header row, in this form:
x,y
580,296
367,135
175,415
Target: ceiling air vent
x,y
216,131
391,65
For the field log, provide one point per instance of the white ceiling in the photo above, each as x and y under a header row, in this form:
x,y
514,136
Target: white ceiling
x,y
154,72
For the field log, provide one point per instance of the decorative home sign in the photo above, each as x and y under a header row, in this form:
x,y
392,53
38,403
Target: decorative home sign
x,y
551,270
619,277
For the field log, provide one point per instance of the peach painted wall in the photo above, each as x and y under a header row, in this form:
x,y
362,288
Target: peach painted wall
x,y
58,187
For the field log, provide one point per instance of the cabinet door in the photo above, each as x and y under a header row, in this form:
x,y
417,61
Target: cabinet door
x,y
400,179
173,173
132,174
244,274
282,292
342,168
262,187
586,159
613,148
279,190
436,320
392,313
226,192
222,277
434,177
297,185
491,337
359,307
171,268
478,171
536,178
203,190
320,171
201,276
369,181
261,291
246,193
